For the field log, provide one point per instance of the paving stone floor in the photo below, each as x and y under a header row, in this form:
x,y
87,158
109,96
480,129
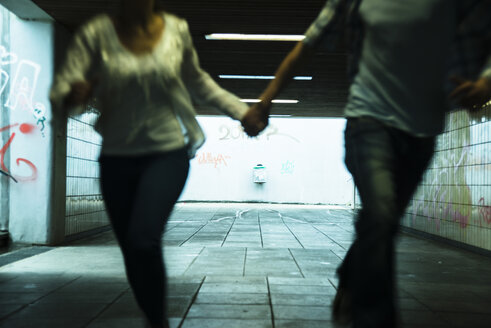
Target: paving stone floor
x,y
241,266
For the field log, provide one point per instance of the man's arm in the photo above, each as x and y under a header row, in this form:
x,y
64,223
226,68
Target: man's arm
x,y
326,26
286,70
475,39
256,118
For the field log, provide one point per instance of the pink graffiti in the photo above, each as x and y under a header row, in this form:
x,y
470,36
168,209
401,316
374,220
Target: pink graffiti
x,y
24,128
484,212
438,205
215,160
462,219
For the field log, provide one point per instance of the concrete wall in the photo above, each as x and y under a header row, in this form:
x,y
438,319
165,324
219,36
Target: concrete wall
x,y
304,160
454,199
4,116
26,77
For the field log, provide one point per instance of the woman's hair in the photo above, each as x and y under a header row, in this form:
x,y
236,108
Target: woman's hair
x,y
156,6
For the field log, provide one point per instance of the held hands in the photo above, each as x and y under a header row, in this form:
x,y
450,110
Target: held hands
x,y
256,118
471,94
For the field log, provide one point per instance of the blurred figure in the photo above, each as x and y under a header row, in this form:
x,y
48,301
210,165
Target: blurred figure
x,y
143,68
400,66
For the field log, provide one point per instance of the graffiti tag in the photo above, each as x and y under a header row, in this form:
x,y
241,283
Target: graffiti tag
x,y
237,133
23,87
212,159
24,128
287,167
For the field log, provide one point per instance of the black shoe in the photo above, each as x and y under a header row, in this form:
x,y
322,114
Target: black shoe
x,y
342,307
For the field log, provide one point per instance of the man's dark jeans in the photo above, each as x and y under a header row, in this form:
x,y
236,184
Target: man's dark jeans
x,y
387,165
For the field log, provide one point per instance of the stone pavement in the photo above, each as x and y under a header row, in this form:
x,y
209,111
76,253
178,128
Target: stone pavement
x,y
240,266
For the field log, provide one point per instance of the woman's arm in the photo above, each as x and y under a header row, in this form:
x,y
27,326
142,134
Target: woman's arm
x,y
202,87
72,88
327,26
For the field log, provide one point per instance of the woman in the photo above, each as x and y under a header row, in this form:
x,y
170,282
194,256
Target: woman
x,y
142,67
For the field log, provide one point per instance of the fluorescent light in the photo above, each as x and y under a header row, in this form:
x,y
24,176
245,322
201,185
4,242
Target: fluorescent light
x,y
261,77
254,37
303,78
276,101
278,115
251,100
285,101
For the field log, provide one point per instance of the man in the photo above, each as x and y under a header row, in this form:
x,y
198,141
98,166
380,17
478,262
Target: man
x,y
396,107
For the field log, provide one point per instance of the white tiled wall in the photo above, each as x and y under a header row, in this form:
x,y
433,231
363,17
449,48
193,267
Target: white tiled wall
x,y
84,204
454,199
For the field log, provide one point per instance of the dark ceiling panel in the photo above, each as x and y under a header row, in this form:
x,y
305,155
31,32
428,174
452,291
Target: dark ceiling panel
x,y
324,96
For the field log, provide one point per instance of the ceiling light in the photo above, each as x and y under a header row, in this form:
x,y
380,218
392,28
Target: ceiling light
x,y
261,77
276,101
285,101
254,37
278,115
303,78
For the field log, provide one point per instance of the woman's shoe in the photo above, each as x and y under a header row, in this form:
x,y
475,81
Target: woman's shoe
x,y
342,307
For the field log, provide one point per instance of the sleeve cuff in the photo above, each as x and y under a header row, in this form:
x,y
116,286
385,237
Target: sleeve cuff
x,y
239,112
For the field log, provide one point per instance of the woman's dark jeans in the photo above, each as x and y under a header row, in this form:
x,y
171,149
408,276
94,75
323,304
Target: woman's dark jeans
x,y
387,164
140,193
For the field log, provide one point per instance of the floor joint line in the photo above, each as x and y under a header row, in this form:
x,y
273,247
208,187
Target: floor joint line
x,y
106,307
193,299
194,260
270,302
260,229
296,263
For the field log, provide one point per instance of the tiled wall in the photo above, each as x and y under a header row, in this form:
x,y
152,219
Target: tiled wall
x,y
84,204
454,199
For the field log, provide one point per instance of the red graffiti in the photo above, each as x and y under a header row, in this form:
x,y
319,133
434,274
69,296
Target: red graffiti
x,y
8,127
484,212
24,128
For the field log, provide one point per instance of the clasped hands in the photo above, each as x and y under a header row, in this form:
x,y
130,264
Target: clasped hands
x,y
256,119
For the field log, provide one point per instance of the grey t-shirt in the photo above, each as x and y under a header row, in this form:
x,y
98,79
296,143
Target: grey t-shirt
x,y
403,65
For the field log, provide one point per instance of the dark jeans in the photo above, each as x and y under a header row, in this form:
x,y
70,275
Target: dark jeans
x,y
387,164
140,193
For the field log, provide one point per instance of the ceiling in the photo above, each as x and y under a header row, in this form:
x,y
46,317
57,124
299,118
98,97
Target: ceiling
x,y
323,96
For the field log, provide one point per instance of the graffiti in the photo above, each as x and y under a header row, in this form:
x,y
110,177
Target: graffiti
x,y
39,111
237,133
448,194
24,128
211,159
273,131
484,212
7,58
4,80
461,157
23,87
283,217
22,91
238,215
234,133
287,167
